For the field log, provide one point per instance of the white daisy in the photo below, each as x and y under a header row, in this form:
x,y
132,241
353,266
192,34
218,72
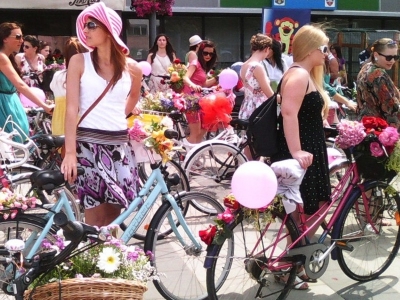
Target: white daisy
x,y
109,260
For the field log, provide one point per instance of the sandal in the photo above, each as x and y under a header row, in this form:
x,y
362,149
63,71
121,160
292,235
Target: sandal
x,y
297,285
303,276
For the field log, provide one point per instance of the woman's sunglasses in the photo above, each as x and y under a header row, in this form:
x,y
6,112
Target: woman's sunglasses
x,y
17,36
389,57
26,47
90,25
205,53
323,49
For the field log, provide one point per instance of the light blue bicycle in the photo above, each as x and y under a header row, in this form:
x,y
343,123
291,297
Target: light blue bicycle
x,y
172,234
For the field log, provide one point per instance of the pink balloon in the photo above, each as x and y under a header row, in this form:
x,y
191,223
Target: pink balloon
x,y
146,67
254,184
28,103
333,154
228,79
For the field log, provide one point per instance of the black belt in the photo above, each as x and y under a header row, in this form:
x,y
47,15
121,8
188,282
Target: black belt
x,y
8,92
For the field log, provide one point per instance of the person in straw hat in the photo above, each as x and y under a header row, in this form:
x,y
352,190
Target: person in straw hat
x,y
99,144
194,44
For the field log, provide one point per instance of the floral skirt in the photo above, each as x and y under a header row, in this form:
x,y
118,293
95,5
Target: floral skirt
x,y
111,174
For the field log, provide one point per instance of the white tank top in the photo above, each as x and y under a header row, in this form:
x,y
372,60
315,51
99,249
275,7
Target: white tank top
x,y
109,113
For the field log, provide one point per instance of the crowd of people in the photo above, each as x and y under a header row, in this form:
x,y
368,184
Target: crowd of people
x,y
101,82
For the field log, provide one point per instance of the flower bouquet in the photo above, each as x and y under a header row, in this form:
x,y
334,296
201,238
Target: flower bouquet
x,y
374,145
152,136
176,72
106,271
11,203
160,102
217,233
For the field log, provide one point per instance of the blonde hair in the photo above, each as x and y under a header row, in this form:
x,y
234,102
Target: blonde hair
x,y
260,42
307,39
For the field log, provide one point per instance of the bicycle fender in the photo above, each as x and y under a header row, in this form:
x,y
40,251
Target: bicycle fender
x,y
356,192
211,253
204,144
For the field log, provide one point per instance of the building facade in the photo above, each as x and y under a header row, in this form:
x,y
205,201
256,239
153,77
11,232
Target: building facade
x,y
229,23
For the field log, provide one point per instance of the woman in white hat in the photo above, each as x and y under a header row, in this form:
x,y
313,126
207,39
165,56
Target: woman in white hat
x,y
161,55
100,142
194,44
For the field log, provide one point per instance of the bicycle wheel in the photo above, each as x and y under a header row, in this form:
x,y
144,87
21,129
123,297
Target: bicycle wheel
x,y
144,169
375,244
238,268
21,227
183,266
211,167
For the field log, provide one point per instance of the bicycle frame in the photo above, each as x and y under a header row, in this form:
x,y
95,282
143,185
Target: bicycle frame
x,y
159,188
278,263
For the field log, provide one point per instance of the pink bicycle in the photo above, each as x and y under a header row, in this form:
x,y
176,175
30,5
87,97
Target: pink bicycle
x,y
361,233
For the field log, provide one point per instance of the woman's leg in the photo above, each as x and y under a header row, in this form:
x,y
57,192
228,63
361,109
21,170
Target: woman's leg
x,y
196,133
102,215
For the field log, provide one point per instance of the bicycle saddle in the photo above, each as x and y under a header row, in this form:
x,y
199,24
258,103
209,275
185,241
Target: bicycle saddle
x,y
52,141
48,180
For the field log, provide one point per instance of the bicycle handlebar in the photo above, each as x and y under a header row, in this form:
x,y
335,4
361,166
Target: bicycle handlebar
x,y
6,139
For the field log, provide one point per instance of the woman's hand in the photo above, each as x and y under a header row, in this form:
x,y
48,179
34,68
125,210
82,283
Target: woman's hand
x,y
196,88
69,167
351,105
49,108
304,158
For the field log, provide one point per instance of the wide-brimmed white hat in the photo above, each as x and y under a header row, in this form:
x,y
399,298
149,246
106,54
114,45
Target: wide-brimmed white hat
x,y
108,17
195,40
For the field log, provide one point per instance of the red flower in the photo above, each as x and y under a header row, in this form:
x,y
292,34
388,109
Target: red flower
x,y
374,123
231,202
208,235
162,81
177,61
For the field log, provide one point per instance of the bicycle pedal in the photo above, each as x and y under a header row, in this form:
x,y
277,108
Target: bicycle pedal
x,y
345,246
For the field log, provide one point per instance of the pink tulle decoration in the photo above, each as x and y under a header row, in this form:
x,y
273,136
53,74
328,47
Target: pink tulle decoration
x,y
351,133
137,132
389,136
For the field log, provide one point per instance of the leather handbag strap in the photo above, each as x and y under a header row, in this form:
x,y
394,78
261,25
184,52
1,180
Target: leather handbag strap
x,y
95,103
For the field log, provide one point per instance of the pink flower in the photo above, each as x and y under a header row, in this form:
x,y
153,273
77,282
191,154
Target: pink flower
x,y
389,136
376,149
226,216
179,102
351,133
137,132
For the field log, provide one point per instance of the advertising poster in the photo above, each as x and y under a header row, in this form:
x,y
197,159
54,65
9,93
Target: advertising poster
x,y
282,24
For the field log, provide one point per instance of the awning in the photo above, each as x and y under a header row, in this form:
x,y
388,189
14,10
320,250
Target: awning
x,y
59,4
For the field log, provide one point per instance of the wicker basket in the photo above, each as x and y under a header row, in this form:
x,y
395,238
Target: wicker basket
x,y
89,289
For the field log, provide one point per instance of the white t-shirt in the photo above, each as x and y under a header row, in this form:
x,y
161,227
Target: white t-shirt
x,y
274,74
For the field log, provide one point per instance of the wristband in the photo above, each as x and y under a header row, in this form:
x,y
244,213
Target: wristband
x,y
330,56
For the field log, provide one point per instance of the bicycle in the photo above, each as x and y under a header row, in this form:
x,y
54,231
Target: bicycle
x,y
176,220
273,245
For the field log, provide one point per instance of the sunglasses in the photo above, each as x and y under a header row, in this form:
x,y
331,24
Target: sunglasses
x,y
90,25
205,53
323,49
17,36
26,47
389,57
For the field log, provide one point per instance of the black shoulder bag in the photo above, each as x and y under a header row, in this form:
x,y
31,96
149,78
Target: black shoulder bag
x,y
263,129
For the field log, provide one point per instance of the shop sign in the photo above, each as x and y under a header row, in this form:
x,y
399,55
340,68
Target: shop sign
x,y
306,4
59,4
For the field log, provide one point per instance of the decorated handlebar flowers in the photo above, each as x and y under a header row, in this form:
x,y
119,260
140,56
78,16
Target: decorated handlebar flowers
x,y
11,203
152,135
371,137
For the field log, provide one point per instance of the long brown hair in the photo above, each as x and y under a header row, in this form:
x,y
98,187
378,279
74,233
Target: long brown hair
x,y
207,66
118,58
5,32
